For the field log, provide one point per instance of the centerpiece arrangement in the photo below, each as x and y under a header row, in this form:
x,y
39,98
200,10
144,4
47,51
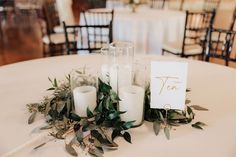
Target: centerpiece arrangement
x,y
97,110
133,4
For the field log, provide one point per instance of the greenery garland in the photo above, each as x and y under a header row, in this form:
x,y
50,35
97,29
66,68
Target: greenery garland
x,y
103,125
165,119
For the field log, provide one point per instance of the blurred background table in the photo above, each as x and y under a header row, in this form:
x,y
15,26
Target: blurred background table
x,y
148,28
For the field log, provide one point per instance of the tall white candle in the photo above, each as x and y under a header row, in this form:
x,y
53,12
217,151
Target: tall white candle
x,y
105,73
132,101
120,76
113,74
84,97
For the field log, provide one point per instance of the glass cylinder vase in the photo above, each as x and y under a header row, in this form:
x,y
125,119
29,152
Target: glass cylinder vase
x,y
132,96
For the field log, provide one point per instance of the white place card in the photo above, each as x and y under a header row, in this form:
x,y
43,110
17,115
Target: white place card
x,y
168,84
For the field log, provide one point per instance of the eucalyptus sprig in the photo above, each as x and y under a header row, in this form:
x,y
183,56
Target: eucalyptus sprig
x,y
92,133
166,119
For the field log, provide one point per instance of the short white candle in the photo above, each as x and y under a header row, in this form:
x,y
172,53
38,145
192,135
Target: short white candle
x,y
84,97
132,101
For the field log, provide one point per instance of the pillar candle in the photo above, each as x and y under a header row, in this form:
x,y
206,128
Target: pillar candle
x,y
132,101
120,76
105,73
84,97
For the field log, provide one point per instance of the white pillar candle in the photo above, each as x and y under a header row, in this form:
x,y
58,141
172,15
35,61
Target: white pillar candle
x,y
132,101
125,76
120,76
113,74
84,97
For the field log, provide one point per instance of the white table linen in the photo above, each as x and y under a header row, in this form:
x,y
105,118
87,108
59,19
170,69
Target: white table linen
x,y
148,29
213,86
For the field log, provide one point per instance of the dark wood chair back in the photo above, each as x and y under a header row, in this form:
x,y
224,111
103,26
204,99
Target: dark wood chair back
x,y
99,17
232,25
196,28
51,15
89,38
221,47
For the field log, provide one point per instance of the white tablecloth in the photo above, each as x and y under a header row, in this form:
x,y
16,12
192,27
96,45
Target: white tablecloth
x,y
213,87
148,28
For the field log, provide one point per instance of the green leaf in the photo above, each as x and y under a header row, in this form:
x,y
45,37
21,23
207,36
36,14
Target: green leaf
x,y
70,149
188,90
75,117
115,134
127,137
85,127
52,88
128,125
200,123
114,96
32,117
104,87
95,152
187,101
98,136
97,143
55,83
176,116
113,115
76,127
189,110
100,96
89,113
39,146
167,132
197,126
100,107
49,79
156,127
79,136
199,108
161,116
108,106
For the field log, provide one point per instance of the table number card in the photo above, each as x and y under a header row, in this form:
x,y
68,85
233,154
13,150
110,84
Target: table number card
x,y
168,84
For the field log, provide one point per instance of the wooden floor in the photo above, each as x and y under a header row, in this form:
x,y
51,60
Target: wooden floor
x,y
20,43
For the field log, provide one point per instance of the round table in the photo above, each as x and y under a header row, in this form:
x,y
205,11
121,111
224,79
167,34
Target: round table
x,y
213,87
148,28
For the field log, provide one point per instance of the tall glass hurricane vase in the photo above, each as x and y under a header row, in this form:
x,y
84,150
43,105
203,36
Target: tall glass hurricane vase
x,y
120,73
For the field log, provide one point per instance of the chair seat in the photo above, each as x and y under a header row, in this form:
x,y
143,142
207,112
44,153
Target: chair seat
x,y
215,36
176,48
57,38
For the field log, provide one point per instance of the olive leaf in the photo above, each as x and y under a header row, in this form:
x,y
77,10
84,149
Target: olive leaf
x,y
32,117
198,125
156,127
89,113
70,149
127,137
39,146
95,152
187,101
199,108
167,132
115,134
